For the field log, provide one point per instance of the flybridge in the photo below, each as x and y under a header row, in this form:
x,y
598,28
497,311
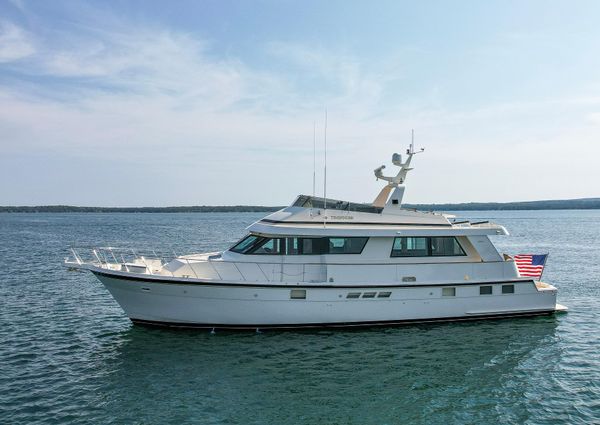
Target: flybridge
x,y
380,203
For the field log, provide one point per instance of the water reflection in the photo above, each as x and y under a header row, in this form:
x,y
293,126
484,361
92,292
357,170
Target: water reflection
x,y
396,374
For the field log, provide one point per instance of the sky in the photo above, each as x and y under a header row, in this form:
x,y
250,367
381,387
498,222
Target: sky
x,y
154,103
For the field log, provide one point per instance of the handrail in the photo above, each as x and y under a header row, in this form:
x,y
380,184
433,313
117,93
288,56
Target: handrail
x,y
119,259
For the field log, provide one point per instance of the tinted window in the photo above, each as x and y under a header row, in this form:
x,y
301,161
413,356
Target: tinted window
x,y
445,246
299,246
259,245
245,244
410,247
319,246
485,290
426,246
508,289
312,246
346,245
268,246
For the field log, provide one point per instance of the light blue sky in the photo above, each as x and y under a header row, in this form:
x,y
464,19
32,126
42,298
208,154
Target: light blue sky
x,y
213,102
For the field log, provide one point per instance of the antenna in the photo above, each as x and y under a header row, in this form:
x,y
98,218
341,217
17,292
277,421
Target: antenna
x,y
325,168
395,182
314,156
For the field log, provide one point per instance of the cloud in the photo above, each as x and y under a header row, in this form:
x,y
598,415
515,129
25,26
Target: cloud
x,y
15,43
145,97
135,87
339,76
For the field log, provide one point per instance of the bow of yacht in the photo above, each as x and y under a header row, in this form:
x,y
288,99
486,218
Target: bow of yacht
x,y
325,262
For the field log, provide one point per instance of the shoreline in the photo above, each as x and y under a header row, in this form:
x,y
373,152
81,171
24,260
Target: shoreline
x,y
568,204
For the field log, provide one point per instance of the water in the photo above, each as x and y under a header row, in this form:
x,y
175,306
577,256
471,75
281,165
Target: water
x,y
69,355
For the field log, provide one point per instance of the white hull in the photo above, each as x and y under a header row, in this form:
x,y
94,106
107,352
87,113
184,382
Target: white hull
x,y
220,305
327,262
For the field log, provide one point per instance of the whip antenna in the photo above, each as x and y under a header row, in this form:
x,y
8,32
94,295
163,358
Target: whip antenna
x,y
314,156
325,168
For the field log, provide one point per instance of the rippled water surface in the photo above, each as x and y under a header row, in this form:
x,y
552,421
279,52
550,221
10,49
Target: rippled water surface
x,y
69,355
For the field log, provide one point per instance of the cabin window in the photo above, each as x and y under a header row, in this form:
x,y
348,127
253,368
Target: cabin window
x,y
268,246
485,290
353,295
445,246
448,292
426,247
369,294
320,246
312,246
410,247
292,246
384,294
246,244
508,289
258,245
346,245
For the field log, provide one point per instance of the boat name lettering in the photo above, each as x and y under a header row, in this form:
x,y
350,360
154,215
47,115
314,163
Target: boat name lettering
x,y
342,217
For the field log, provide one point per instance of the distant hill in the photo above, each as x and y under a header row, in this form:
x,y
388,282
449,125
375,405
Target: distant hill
x,y
195,209
565,204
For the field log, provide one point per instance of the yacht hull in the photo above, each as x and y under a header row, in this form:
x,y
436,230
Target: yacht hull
x,y
172,302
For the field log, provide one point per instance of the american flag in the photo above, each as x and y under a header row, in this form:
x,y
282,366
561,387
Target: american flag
x,y
530,265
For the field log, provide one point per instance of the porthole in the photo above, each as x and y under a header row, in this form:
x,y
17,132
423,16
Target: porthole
x,y
353,295
369,294
384,295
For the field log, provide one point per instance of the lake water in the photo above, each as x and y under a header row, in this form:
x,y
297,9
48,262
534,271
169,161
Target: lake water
x,y
68,354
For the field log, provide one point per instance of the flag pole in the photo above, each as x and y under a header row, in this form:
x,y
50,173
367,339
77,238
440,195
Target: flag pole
x,y
544,267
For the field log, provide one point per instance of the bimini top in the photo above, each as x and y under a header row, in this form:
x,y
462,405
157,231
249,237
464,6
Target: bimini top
x,y
314,216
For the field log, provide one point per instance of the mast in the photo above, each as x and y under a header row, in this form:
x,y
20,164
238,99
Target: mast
x,y
400,178
325,167
314,157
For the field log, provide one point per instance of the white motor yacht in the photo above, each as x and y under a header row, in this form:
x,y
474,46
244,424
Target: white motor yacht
x,y
327,263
